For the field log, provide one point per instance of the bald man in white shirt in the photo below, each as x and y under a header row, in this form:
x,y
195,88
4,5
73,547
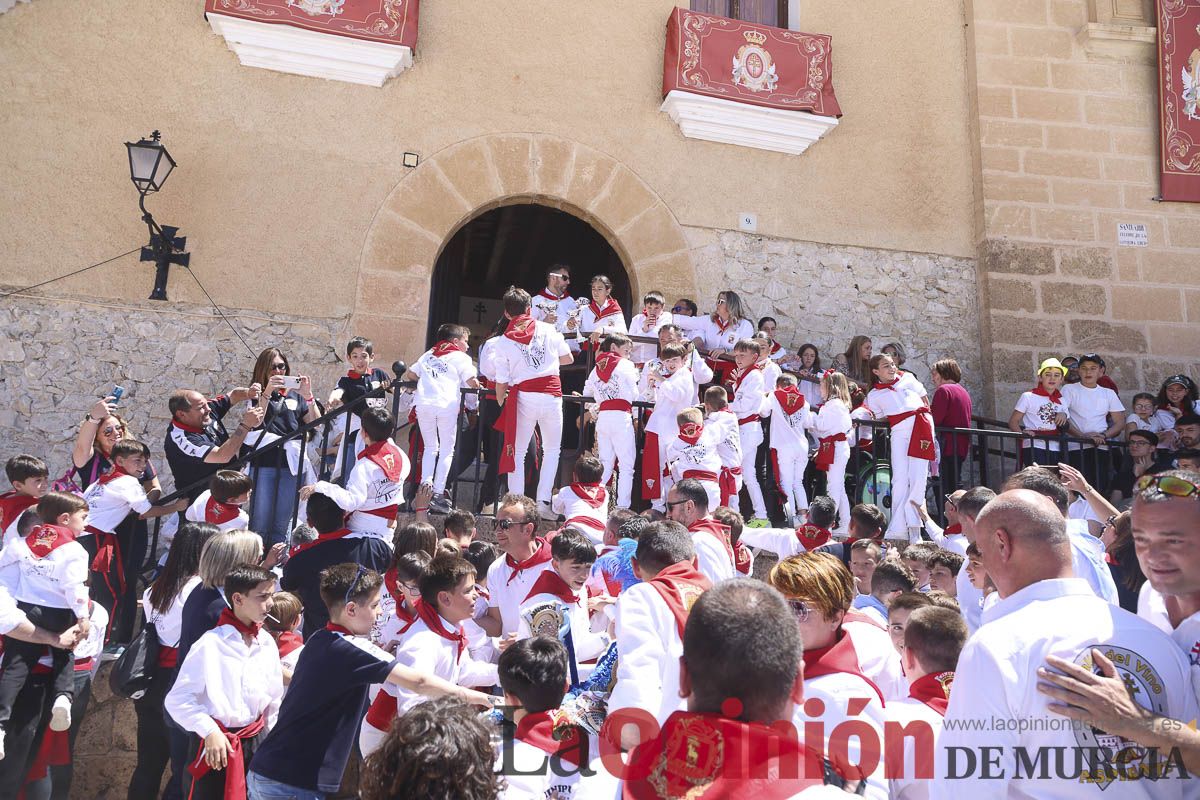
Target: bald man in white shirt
x,y
999,737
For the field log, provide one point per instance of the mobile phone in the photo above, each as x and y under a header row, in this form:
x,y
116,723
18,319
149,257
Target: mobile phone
x,y
290,381
117,393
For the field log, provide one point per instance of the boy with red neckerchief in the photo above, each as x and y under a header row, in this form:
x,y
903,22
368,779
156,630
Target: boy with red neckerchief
x,y
933,639
790,422
723,424
822,518
286,611
672,389
527,360
1040,413
229,688
509,579
46,573
564,587
221,504
746,395
650,623
372,495
28,476
693,454
441,373
613,384
545,755
584,502
111,499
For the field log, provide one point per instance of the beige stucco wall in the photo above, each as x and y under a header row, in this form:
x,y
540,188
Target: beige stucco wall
x,y
280,176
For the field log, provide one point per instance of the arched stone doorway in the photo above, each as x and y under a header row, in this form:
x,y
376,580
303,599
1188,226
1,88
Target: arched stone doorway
x,y
468,179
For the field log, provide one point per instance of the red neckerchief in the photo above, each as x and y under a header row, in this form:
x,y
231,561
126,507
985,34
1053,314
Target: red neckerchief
x,y
387,457
679,585
229,618
933,690
553,734
1054,398
183,427
111,475
521,329
219,513
691,432
812,536
46,538
718,531
790,399
433,620
550,582
333,627
837,657
322,539
740,375
883,386
722,325
289,642
742,560
540,556
775,347
12,506
696,751
355,376
610,308
448,346
952,530
546,294
591,493
606,365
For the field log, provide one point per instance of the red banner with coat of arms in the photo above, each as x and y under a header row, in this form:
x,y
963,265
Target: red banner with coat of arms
x,y
386,21
749,63
1179,98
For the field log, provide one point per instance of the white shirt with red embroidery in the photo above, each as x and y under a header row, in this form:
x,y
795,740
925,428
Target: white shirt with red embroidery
x,y
611,323
672,396
109,503
439,378
544,302
789,431
590,520
516,362
56,580
621,385
433,654
368,489
683,457
199,512
508,588
746,399
714,335
724,427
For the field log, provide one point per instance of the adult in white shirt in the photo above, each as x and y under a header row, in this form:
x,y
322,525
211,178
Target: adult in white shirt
x,y
603,315
718,332
554,304
687,504
1094,412
1045,612
1166,532
511,576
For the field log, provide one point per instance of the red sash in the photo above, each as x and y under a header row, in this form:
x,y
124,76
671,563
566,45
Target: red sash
x,y
341,533
651,468
616,405
591,493
587,522
775,469
448,346
382,711
679,585
812,536
433,620
933,690
749,419
827,450
108,553
540,556
553,734
606,365
838,657
219,513
727,480
12,506
385,512
695,751
789,399
550,582
168,657
46,538
920,445
235,768
507,424
387,456
701,475
717,530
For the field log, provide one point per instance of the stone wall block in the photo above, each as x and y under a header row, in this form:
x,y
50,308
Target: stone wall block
x,y
1085,299
1146,303
1025,331
469,169
1089,262
1012,366
1099,336
1004,256
1012,294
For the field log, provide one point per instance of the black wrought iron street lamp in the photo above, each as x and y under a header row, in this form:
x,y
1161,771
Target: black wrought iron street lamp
x,y
149,166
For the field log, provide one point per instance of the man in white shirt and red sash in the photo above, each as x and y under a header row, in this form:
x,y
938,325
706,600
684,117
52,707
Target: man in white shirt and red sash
x,y
554,304
687,504
528,388
510,578
1046,612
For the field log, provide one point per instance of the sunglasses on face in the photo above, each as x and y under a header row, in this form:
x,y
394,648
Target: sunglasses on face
x,y
566,278
800,608
278,367
1168,485
505,524
671,504
678,310
109,431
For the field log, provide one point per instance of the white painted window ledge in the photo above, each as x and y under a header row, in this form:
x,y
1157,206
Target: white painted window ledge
x,y
730,122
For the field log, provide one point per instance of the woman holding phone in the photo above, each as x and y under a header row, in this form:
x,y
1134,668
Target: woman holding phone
x,y
289,404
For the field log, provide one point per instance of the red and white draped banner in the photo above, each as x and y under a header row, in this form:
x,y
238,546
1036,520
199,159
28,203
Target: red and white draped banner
x,y
749,63
385,21
1179,98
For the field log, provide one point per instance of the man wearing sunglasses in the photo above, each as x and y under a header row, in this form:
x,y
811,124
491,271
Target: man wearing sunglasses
x,y
554,304
687,504
509,579
1166,535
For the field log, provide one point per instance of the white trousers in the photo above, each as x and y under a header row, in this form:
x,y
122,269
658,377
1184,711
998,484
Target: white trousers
x,y
751,435
908,483
618,447
791,462
545,412
835,484
439,430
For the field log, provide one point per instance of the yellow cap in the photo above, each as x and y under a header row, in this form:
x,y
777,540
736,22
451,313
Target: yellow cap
x,y
1051,363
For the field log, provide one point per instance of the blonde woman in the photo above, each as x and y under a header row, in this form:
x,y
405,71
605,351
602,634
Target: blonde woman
x,y
833,429
719,331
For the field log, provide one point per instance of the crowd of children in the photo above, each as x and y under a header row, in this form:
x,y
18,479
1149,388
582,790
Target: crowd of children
x,y
270,669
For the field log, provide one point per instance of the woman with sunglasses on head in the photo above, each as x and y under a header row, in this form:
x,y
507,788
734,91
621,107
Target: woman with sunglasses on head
x,y
719,332
289,404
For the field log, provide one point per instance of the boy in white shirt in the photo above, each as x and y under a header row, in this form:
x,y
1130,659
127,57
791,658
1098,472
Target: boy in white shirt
x,y
441,372
585,501
746,403
693,454
613,384
46,573
790,421
648,323
229,688
527,359
722,424
221,503
28,476
372,494
113,496
672,391
1094,412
